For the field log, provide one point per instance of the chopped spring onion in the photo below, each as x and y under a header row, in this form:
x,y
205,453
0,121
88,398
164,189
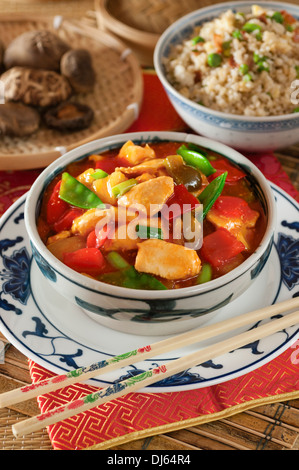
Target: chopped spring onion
x,y
197,39
250,27
277,16
205,274
99,174
244,68
144,231
121,188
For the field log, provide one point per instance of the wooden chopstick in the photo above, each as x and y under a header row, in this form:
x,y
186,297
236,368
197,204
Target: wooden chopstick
x,y
190,337
151,376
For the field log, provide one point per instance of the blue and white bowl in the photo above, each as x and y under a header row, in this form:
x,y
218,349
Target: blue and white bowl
x,y
251,134
140,311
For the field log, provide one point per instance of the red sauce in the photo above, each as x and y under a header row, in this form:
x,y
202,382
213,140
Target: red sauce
x,y
235,187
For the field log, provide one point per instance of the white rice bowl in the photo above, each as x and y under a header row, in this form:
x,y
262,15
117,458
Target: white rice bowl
x,y
257,68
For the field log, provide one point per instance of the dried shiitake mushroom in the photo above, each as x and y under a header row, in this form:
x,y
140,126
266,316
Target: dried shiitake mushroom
x,y
2,49
76,65
18,120
69,117
36,49
34,87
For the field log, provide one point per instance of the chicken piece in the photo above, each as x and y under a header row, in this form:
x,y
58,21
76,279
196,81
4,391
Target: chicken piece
x,y
86,177
87,222
148,197
144,177
59,236
124,239
167,260
150,166
135,154
102,187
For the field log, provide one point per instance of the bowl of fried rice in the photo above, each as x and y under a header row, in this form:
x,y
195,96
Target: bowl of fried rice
x,y
231,72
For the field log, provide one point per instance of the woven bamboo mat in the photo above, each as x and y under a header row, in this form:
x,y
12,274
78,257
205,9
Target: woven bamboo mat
x,y
74,8
267,427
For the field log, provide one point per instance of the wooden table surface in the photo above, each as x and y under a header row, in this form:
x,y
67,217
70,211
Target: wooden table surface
x,y
269,427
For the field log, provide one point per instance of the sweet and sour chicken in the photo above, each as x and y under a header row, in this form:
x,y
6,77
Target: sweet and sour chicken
x,y
163,215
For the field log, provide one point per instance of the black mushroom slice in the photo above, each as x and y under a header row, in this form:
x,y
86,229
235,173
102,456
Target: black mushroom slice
x,y
69,117
36,49
76,65
18,120
41,88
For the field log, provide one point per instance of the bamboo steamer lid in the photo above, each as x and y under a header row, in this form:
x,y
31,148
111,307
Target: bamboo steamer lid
x,y
141,22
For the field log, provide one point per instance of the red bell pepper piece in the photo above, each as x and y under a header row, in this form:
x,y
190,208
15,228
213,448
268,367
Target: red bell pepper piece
x,y
233,174
56,207
96,239
91,240
181,201
233,207
220,246
65,222
85,260
109,164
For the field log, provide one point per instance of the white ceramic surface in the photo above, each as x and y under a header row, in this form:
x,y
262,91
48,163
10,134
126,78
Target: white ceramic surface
x,y
249,134
56,334
142,311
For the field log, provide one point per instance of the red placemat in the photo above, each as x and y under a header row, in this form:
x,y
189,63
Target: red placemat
x,y
139,415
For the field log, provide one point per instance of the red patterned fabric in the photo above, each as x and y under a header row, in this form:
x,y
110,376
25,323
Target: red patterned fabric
x,y
140,414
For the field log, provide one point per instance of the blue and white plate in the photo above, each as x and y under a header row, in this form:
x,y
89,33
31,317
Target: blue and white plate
x,y
60,337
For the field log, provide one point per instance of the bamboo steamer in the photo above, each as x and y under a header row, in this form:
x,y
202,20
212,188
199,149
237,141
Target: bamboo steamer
x,y
141,22
116,98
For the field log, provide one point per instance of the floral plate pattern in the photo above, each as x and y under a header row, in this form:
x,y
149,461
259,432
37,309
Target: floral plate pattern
x,y
60,337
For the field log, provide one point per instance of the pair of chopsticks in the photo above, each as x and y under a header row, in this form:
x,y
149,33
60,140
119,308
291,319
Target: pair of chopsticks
x,y
154,375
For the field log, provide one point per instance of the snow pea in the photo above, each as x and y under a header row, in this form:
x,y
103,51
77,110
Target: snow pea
x,y
196,159
127,276
212,192
77,194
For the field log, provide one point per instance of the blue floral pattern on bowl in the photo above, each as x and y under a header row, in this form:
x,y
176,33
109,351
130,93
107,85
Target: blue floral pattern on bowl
x,y
57,346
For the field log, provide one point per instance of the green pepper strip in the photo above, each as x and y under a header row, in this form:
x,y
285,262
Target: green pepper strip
x,y
121,188
205,274
149,232
129,277
212,192
197,160
77,194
